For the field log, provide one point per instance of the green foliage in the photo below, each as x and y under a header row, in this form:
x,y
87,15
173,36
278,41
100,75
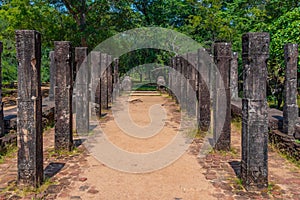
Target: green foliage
x,y
63,153
24,191
284,30
89,22
232,152
237,183
45,65
237,123
144,87
140,58
9,152
36,15
210,23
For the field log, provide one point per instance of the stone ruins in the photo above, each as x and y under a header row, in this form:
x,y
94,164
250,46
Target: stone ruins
x,y
188,77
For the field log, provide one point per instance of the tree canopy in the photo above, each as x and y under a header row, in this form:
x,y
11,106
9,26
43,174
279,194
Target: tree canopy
x,y
89,22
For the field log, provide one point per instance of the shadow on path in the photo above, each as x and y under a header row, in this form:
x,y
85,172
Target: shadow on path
x,y
236,166
52,169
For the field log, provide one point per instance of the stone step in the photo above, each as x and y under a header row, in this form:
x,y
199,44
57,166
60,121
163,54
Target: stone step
x,y
145,93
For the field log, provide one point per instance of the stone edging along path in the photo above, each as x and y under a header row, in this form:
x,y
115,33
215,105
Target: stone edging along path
x,y
283,142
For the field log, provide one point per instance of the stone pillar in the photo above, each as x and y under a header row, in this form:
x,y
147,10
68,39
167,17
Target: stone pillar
x,y
183,71
52,76
234,77
1,104
109,79
116,82
104,81
174,82
193,59
290,108
222,58
191,89
29,112
170,77
254,164
177,79
126,84
204,94
95,84
63,96
82,90
212,78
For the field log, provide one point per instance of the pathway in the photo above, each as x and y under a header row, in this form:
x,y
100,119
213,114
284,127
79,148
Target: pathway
x,y
183,179
80,176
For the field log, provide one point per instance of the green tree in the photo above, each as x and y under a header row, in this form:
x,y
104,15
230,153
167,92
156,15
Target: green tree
x,y
31,15
283,30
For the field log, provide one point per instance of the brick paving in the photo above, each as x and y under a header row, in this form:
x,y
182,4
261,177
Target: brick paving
x,y
223,170
61,171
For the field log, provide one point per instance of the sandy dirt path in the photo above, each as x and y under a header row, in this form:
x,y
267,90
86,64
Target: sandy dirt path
x,y
183,179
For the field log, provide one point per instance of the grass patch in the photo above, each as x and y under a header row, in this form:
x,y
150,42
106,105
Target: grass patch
x,y
232,152
8,91
25,190
201,134
285,156
271,188
297,141
59,153
237,183
167,96
144,87
195,133
49,126
8,153
237,123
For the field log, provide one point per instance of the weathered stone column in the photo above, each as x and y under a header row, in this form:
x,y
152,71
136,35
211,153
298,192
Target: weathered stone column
x,y
234,77
172,80
193,58
109,79
170,77
254,164
191,84
183,71
204,94
95,84
82,90
222,57
29,112
104,81
177,79
212,79
1,104
63,96
52,76
116,82
290,108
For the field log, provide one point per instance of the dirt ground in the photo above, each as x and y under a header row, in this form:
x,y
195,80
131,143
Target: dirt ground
x,y
10,97
183,179
82,176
